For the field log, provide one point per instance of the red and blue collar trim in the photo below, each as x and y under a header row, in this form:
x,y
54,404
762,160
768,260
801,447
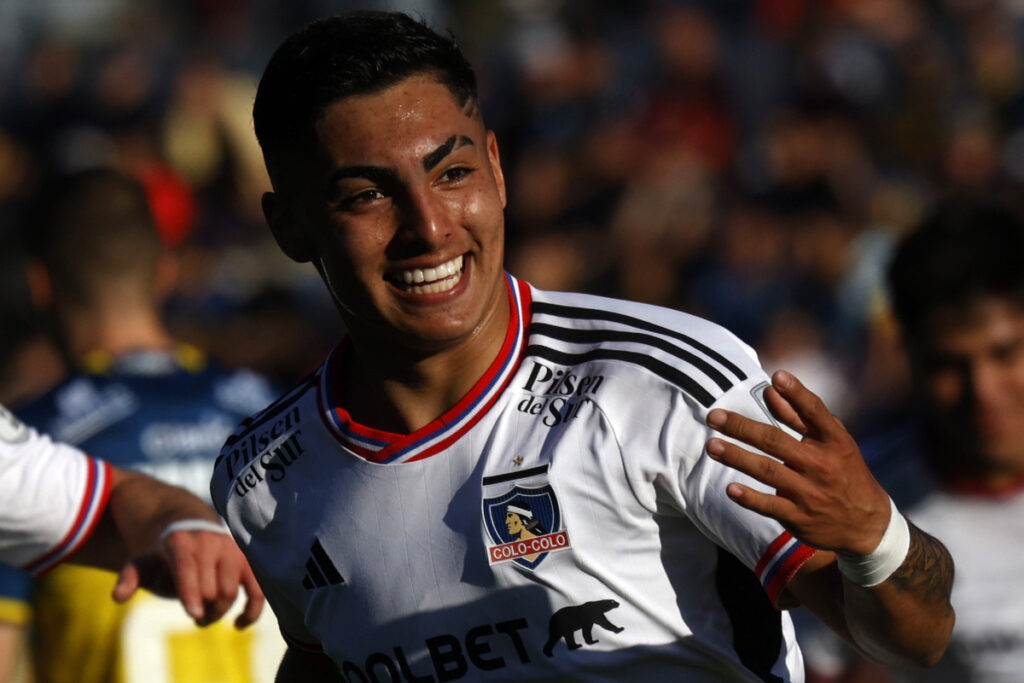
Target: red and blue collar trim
x,y
387,447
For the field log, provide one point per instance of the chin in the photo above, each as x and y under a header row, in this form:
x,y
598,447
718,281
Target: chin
x,y
436,337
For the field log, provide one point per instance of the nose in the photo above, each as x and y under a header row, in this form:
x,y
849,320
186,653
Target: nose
x,y
985,383
426,220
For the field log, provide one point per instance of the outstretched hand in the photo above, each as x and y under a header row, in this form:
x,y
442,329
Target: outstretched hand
x,y
202,568
825,495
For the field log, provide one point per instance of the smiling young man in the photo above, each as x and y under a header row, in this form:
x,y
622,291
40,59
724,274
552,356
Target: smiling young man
x,y
957,286
138,399
373,499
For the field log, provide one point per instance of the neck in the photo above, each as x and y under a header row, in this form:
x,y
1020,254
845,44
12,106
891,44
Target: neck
x,y
400,390
964,470
115,332
988,485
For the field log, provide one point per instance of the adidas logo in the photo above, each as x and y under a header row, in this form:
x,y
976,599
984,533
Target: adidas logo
x,y
320,571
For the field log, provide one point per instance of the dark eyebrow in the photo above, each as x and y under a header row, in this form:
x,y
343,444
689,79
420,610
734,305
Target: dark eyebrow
x,y
380,173
434,158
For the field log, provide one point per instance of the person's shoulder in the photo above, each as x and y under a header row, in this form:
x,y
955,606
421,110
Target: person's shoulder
x,y
16,438
241,391
187,376
74,409
702,357
601,312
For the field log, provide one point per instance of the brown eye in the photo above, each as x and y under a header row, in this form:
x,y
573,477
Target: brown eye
x,y
362,199
455,174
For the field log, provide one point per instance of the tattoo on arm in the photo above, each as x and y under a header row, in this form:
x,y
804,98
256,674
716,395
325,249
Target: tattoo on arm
x,y
927,570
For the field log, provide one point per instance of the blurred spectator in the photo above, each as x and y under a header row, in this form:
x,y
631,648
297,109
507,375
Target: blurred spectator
x,y
141,400
753,162
30,362
955,458
637,141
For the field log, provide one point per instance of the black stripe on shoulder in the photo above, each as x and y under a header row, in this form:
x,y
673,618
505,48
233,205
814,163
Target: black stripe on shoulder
x,y
578,336
580,313
663,370
274,409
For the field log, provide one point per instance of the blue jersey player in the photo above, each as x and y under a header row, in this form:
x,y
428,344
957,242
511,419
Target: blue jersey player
x,y
141,401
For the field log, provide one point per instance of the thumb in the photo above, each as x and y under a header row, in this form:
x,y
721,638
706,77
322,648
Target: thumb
x,y
127,583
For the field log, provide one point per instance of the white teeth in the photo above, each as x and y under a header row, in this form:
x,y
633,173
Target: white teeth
x,y
431,280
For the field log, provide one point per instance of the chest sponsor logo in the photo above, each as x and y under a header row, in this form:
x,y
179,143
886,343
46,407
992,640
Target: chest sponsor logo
x,y
266,452
524,525
490,647
556,395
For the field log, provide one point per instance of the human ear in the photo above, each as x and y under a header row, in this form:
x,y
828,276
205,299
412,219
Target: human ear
x,y
495,159
287,231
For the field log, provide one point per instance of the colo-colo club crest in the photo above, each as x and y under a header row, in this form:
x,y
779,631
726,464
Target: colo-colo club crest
x,y
525,525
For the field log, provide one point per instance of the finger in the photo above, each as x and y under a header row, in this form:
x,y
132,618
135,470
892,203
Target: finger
x,y
226,567
127,583
760,435
783,411
254,600
766,504
205,567
186,579
766,470
228,577
808,406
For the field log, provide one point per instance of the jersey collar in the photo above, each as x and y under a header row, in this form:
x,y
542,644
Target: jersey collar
x,y
144,362
387,447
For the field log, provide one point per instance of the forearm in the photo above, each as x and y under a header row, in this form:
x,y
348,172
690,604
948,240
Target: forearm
x,y
138,511
908,617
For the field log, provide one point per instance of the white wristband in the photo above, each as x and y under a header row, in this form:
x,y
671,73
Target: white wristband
x,y
871,570
194,525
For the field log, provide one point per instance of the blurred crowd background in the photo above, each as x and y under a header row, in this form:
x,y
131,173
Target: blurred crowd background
x,y
751,161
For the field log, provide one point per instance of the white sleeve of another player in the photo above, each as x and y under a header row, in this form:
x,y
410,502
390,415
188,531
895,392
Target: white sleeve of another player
x,y
51,496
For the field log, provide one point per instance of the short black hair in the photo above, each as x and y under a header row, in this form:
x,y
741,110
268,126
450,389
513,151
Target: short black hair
x,y
358,53
94,227
963,251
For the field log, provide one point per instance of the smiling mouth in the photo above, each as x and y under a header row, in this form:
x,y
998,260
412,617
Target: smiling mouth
x,y
429,280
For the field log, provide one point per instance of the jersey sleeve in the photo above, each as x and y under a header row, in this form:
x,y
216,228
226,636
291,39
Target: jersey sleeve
x,y
696,484
51,496
760,542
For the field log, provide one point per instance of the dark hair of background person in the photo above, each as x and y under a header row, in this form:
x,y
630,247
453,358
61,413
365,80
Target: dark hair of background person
x,y
358,54
964,251
94,228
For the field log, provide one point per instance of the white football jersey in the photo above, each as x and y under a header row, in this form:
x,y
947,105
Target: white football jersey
x,y
51,496
982,533
562,521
